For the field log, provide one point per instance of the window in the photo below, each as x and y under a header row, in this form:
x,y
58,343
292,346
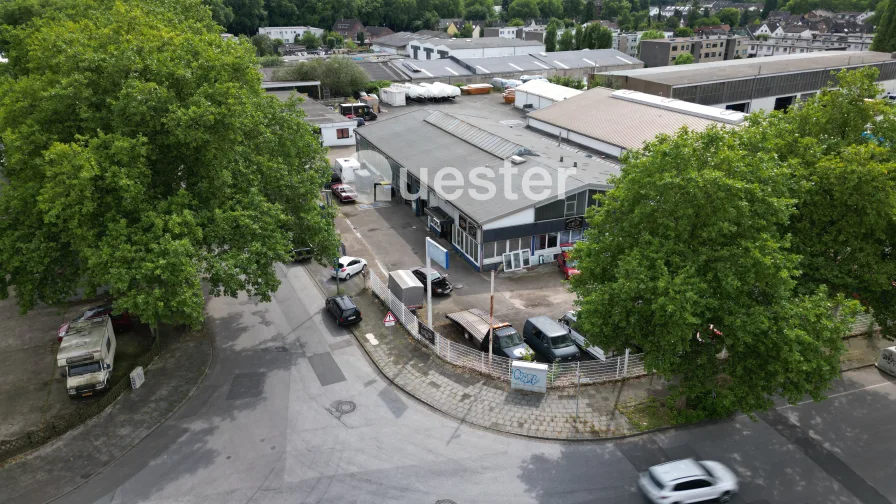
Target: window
x,y
675,48
108,344
570,208
546,241
342,133
516,260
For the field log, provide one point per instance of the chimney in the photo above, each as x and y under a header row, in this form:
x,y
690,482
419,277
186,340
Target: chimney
x,y
561,159
575,164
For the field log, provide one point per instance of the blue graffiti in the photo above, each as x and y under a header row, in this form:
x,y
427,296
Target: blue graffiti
x,y
524,377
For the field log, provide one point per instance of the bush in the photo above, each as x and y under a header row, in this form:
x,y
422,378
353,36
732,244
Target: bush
x,y
270,61
339,75
373,87
570,82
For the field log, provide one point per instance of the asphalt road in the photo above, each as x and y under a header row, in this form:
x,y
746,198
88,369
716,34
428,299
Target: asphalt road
x,y
292,412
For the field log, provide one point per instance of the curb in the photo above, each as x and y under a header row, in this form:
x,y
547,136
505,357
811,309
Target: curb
x,y
211,360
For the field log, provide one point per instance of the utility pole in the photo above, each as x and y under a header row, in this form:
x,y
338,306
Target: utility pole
x,y
428,289
491,320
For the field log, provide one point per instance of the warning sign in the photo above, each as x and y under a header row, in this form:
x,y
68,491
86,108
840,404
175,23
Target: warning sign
x,y
390,320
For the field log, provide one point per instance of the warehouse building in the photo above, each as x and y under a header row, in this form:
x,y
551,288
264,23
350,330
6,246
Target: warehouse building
x,y
622,120
747,85
538,94
471,48
335,129
397,43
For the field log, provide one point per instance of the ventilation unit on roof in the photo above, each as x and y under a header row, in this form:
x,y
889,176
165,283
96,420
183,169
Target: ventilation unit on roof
x,y
410,66
517,159
680,106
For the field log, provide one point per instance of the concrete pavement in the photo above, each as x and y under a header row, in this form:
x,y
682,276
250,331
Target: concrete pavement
x,y
273,426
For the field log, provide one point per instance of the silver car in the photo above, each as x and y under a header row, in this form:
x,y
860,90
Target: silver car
x,y
688,480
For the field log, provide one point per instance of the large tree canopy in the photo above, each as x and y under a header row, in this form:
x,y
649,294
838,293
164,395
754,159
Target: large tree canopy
x,y
732,256
141,154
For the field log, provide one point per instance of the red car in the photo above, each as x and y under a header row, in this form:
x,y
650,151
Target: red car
x,y
345,193
566,266
121,321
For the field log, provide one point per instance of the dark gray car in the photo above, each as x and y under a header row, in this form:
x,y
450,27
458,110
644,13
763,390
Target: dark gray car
x,y
549,340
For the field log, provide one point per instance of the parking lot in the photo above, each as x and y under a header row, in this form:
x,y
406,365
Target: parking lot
x,y
31,389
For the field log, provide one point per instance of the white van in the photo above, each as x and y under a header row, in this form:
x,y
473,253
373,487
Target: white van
x,y
86,355
887,361
344,168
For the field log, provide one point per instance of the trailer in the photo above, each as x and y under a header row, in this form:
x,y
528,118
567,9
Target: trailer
x,y
405,286
475,89
394,95
506,341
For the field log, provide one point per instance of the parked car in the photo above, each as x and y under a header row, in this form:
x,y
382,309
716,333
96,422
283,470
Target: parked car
x,y
506,341
684,481
343,309
440,283
301,254
567,266
349,266
120,322
344,193
549,340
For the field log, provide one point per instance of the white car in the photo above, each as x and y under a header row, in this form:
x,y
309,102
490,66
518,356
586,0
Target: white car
x,y
349,266
684,481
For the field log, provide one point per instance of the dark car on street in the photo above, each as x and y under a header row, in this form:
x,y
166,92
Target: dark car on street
x,y
343,310
440,284
120,321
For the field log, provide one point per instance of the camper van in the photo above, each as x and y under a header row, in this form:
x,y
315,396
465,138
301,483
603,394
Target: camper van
x,y
345,168
887,361
86,356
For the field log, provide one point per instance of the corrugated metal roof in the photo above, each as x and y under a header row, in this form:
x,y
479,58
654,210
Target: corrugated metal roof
x,y
596,114
753,67
548,90
600,58
489,142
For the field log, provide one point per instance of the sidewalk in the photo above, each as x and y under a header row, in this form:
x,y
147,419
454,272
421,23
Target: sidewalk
x,y
486,402
70,460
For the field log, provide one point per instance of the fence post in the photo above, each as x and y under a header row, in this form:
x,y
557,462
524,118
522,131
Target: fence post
x,y
625,368
618,362
553,369
482,362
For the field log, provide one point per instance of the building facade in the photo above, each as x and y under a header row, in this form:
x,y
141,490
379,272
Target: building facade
x,y
288,33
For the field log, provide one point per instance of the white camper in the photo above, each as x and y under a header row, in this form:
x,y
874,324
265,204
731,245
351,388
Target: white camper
x,y
345,168
86,355
887,361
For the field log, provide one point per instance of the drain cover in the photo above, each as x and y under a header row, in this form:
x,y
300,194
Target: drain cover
x,y
344,407
445,501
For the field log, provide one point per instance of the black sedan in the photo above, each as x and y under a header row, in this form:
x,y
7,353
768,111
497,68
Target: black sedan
x,y
440,283
343,310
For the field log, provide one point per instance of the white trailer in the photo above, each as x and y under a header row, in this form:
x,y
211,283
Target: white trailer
x,y
87,354
395,96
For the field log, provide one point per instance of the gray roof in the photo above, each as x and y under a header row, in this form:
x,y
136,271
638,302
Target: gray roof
x,y
315,113
603,58
414,140
683,75
401,39
432,68
622,123
507,64
482,42
381,70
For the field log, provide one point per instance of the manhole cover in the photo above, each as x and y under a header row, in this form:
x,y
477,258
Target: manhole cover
x,y
339,408
445,501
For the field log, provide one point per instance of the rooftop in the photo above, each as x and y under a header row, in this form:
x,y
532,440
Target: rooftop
x,y
625,123
587,58
506,64
545,89
315,113
401,39
431,137
745,68
432,68
482,42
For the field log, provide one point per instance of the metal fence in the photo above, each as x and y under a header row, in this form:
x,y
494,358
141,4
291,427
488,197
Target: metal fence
x,y
61,424
863,324
559,375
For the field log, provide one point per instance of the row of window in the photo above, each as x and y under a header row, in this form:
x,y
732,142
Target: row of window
x,y
551,240
466,243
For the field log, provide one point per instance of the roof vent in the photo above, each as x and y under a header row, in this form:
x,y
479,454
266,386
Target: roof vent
x,y
517,159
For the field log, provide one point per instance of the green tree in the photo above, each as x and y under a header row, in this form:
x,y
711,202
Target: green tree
x,y
550,8
516,22
281,13
612,9
885,34
309,40
588,12
684,59
687,259
579,37
154,181
264,46
248,15
572,9
550,38
604,38
466,31
371,12
221,13
749,16
770,5
478,9
672,23
362,37
331,42
400,13
567,40
524,9
339,75
729,16
568,81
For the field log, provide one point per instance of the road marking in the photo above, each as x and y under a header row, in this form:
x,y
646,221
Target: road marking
x,y
838,394
378,263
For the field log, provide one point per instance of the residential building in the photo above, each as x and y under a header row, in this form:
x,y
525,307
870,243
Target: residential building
x,y
768,28
509,32
288,33
656,53
712,30
471,48
348,28
747,85
451,26
397,43
375,32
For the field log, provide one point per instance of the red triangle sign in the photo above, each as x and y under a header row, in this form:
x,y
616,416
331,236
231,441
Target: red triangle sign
x,y
390,319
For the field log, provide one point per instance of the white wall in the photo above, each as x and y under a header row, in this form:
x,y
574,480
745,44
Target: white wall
x,y
592,143
525,216
523,98
328,133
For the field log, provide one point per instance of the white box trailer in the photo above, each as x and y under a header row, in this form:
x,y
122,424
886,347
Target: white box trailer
x,y
887,361
86,355
394,96
345,168
405,286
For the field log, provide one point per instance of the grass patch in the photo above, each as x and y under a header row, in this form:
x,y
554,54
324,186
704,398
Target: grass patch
x,y
647,415
129,347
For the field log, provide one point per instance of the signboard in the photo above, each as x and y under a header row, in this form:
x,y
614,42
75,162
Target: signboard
x,y
462,223
437,253
390,320
575,223
529,376
137,377
426,332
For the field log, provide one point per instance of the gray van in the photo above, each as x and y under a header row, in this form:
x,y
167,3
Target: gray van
x,y
549,340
